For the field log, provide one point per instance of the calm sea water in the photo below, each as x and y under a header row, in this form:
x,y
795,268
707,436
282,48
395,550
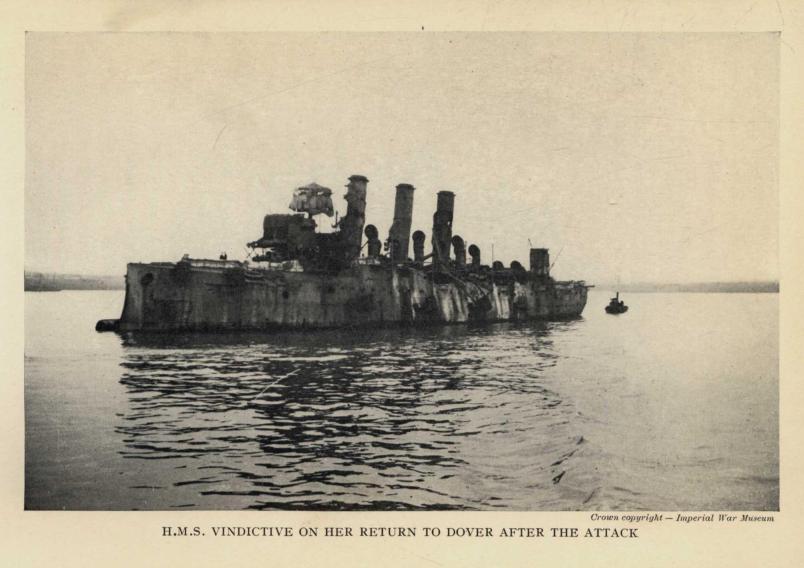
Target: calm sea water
x,y
671,406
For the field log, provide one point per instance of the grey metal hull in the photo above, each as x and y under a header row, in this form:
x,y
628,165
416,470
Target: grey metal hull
x,y
214,296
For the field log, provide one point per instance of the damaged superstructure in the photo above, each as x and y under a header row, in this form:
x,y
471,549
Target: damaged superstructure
x,y
299,277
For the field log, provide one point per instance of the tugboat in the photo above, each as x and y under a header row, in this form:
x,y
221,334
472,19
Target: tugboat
x,y
616,306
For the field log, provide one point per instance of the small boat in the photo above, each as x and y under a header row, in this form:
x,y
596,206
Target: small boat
x,y
616,306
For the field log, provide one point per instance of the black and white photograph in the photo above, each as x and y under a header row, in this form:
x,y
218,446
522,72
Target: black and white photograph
x,y
402,271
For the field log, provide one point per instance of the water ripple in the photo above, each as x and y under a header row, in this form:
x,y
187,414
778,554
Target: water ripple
x,y
388,422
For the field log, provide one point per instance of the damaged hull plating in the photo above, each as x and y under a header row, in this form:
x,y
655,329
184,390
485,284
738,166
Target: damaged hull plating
x,y
218,295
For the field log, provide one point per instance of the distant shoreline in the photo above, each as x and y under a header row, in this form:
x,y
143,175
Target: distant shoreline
x,y
50,282
697,287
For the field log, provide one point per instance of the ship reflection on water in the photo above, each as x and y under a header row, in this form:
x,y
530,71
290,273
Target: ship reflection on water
x,y
363,419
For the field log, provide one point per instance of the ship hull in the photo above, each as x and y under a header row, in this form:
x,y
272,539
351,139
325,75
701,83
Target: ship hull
x,y
212,296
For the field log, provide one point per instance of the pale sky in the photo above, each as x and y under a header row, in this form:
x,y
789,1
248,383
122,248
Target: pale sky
x,y
641,157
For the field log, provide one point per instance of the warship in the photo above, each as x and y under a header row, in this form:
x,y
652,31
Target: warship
x,y
297,277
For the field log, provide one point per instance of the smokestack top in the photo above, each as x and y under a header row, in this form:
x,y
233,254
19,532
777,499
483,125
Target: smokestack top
x,y
358,177
445,200
405,186
445,203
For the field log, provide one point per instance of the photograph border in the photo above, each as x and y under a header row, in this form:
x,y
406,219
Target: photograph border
x,y
34,538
